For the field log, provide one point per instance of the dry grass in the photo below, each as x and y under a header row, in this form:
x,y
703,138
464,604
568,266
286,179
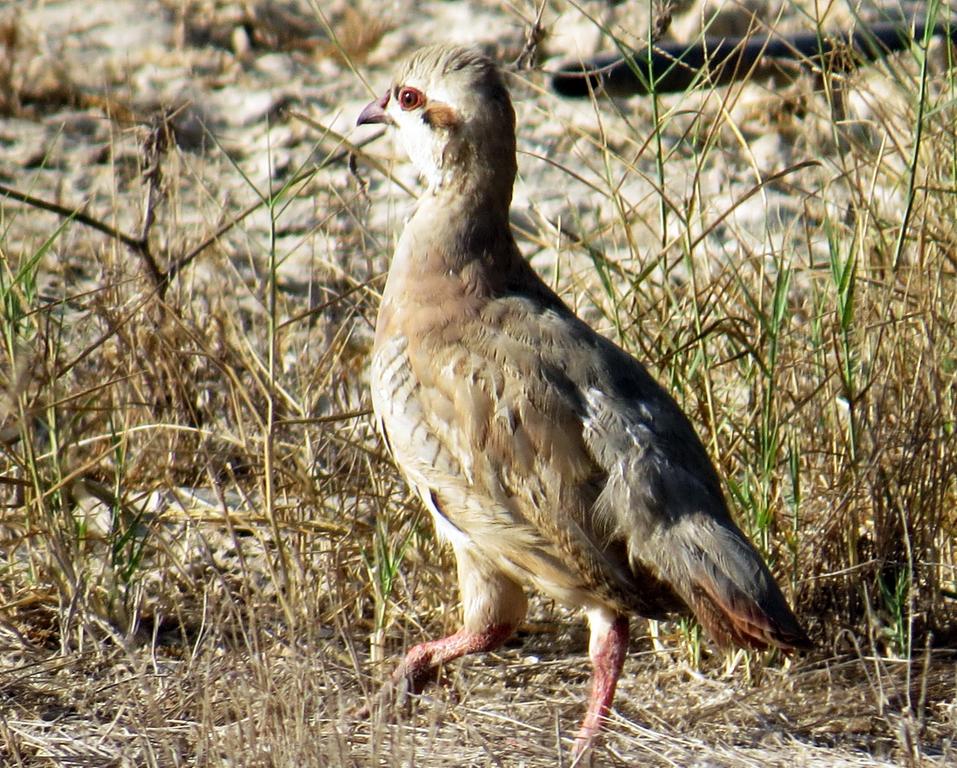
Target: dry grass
x,y
208,558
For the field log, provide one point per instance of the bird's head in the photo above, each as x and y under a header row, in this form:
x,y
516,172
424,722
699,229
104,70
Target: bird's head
x,y
454,118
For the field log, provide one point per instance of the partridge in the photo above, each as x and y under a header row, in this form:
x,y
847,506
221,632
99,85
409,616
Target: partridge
x,y
547,456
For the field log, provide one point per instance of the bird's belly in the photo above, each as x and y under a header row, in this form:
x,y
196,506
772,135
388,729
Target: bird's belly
x,y
462,491
472,521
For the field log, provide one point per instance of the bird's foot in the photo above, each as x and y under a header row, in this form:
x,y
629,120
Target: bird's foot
x,y
582,750
397,692
423,663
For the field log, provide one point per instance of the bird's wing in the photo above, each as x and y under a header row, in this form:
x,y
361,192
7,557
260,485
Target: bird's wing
x,y
663,497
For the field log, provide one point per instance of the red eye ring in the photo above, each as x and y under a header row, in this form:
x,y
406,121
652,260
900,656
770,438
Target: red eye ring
x,y
410,98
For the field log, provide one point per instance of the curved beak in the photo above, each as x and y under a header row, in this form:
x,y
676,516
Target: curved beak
x,y
374,112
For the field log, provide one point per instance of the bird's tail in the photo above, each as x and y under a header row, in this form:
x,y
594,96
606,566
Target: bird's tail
x,y
726,583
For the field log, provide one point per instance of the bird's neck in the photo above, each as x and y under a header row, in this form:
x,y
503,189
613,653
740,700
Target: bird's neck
x,y
468,223
458,243
476,179
475,187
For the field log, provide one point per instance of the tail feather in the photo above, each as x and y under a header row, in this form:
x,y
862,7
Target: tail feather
x,y
734,623
731,591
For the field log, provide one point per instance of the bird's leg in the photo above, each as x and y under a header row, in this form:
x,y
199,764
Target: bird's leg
x,y
493,605
422,661
607,647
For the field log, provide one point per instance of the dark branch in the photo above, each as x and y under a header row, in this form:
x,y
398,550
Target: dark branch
x,y
670,67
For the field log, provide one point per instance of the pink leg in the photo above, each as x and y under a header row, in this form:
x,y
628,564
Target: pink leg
x,y
493,605
607,648
422,661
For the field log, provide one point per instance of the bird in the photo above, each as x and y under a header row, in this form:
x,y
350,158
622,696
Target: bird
x,y
548,457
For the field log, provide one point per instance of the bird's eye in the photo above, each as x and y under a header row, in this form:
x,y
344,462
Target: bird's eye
x,y
410,98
